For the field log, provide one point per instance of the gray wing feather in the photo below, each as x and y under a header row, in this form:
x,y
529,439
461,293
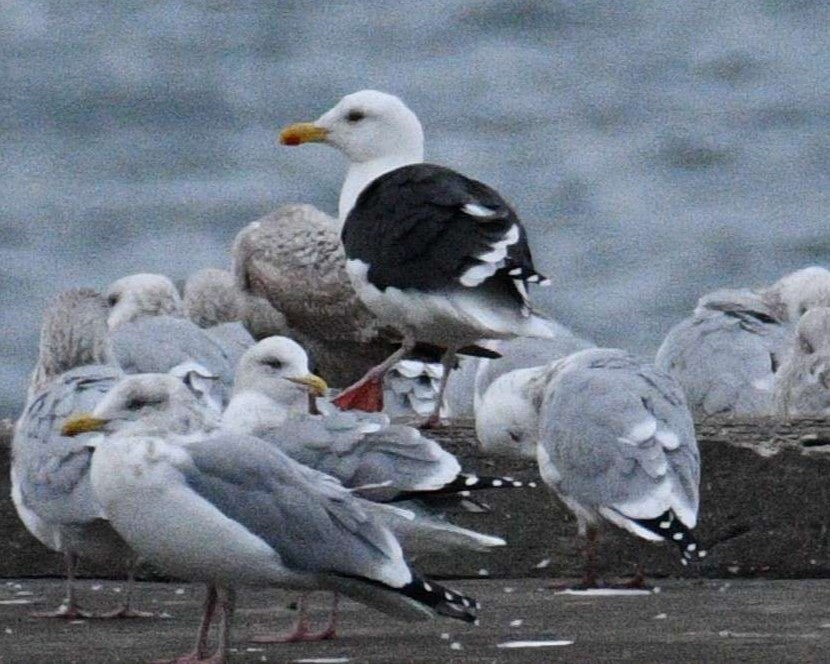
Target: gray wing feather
x,y
616,431
726,362
313,523
156,344
53,470
364,450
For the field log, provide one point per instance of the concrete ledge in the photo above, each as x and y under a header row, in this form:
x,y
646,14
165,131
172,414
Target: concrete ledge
x,y
764,513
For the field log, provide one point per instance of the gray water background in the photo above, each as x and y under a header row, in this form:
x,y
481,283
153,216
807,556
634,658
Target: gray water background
x,y
655,150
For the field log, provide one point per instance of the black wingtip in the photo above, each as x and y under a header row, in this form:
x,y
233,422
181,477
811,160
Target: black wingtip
x,y
442,600
670,528
465,483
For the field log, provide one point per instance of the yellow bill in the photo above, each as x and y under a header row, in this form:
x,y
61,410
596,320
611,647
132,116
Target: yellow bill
x,y
82,423
316,385
302,132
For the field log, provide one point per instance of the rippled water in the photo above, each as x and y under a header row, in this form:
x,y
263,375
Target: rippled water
x,y
655,150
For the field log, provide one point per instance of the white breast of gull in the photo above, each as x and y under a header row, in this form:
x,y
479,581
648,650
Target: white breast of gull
x,y
441,257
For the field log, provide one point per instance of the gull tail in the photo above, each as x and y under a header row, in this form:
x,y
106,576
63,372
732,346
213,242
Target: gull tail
x,y
669,527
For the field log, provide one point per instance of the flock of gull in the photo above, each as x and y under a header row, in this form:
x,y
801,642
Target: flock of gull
x,y
183,426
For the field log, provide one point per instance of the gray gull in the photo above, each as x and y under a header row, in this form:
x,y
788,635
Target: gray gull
x,y
226,510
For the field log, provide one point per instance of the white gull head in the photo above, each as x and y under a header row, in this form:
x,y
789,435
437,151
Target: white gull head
x,y
377,133
139,295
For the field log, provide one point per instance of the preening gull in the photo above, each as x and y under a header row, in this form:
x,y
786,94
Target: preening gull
x,y
439,257
802,383
213,302
726,354
227,510
614,439
50,472
149,333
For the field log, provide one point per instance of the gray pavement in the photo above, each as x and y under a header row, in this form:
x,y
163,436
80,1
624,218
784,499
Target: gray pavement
x,y
689,621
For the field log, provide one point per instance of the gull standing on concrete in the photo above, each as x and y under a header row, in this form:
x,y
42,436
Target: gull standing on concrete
x,y
375,459
50,472
227,510
440,257
614,440
802,384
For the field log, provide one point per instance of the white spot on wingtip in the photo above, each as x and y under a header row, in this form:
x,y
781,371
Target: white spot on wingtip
x,y
477,210
497,483
471,480
677,537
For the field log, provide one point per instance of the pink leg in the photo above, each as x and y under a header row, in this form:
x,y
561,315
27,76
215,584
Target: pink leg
x,y
125,610
590,580
302,632
448,363
69,608
367,393
200,650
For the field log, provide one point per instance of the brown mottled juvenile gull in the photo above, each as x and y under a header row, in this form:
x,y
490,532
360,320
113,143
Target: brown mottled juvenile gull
x,y
802,384
294,258
726,354
439,257
227,510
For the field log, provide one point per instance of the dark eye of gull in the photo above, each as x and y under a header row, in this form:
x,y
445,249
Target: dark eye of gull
x,y
355,116
273,363
112,300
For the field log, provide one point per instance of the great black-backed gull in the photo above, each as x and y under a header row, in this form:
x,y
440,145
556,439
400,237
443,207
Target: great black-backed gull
x,y
441,257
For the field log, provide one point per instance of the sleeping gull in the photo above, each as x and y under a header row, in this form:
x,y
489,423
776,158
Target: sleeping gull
x,y
614,440
802,384
726,354
227,510
437,256
49,474
213,302
149,333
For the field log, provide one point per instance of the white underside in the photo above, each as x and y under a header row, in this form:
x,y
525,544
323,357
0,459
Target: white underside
x,y
451,318
168,524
